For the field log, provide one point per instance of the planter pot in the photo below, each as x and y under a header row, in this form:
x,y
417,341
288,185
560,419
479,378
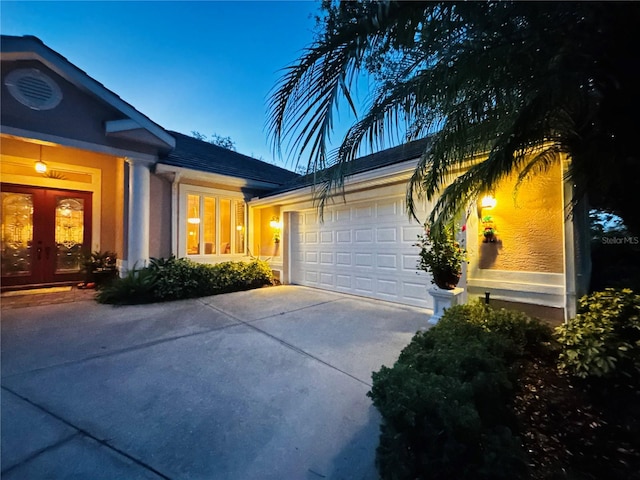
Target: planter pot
x,y
443,299
446,281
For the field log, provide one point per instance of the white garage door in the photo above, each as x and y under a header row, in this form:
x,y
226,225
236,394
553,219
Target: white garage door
x,y
363,249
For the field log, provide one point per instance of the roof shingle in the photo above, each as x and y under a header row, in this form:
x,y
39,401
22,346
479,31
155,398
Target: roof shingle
x,y
384,158
207,157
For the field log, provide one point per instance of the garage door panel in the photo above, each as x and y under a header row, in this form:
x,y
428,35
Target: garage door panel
x,y
326,237
326,258
327,279
343,236
386,209
363,212
311,276
343,259
410,233
311,237
387,287
342,215
409,262
364,260
364,235
384,235
364,284
386,260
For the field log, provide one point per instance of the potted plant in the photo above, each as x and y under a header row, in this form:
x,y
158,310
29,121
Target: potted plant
x,y
442,256
100,268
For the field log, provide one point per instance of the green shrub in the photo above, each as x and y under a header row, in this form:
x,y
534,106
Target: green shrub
x,y
445,402
174,279
181,278
135,287
603,340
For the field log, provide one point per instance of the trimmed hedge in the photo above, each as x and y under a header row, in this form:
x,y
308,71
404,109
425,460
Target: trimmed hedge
x,y
174,279
445,403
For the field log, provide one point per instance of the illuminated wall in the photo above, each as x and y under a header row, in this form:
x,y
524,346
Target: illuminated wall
x,y
529,226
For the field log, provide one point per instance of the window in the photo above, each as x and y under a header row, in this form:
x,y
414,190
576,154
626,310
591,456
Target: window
x,y
213,224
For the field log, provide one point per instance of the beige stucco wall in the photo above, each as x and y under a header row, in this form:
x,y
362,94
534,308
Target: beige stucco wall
x,y
111,173
530,226
160,217
263,235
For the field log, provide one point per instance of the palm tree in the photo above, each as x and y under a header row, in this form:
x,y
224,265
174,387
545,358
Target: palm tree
x,y
513,83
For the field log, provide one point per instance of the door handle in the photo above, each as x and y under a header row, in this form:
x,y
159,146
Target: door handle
x,y
47,251
39,251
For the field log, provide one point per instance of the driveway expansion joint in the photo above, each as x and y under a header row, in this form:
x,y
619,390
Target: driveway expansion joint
x,y
79,432
131,348
40,451
287,344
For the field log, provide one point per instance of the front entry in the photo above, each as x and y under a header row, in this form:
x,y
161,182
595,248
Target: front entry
x,y
45,233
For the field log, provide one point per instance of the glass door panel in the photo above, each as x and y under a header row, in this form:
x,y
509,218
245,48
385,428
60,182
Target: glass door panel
x,y
69,225
17,233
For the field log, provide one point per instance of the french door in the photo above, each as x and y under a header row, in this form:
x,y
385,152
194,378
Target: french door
x,y
45,233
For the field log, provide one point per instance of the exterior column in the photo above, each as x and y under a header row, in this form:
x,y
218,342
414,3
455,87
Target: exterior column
x,y
138,227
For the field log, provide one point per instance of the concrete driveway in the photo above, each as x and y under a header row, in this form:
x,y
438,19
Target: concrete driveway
x,y
265,384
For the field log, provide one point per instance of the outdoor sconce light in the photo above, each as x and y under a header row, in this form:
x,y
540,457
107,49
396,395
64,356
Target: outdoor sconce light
x,y
486,202
41,167
276,226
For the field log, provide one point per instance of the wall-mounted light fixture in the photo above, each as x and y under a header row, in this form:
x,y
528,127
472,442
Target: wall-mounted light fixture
x,y
487,202
276,226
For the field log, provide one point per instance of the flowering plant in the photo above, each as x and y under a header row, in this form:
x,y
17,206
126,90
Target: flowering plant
x,y
442,256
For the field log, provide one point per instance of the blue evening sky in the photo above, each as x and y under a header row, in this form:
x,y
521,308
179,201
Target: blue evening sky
x,y
205,66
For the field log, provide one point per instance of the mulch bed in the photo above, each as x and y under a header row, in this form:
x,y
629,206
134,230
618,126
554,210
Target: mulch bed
x,y
575,430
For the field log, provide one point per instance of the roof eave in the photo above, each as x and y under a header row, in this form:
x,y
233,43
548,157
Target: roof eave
x,y
238,182
26,48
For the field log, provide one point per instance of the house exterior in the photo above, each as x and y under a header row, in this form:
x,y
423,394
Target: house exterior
x,y
117,181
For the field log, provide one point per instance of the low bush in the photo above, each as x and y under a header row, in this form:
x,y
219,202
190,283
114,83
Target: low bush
x,y
182,278
135,287
603,340
445,402
174,279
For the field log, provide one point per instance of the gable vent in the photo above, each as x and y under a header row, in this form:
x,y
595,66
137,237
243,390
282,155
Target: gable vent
x,y
33,89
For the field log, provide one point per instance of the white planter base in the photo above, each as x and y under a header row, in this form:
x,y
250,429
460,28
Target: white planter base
x,y
443,299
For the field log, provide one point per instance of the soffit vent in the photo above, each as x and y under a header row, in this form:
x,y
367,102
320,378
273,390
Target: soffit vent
x,y
33,88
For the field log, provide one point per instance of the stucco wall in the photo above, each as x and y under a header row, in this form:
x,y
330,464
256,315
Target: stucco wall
x,y
530,226
264,243
160,217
